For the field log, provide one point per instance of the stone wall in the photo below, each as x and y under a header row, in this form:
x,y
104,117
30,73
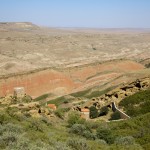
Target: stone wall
x,y
122,114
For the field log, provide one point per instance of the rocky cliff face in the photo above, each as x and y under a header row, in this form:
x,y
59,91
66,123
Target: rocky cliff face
x,y
121,92
37,83
67,80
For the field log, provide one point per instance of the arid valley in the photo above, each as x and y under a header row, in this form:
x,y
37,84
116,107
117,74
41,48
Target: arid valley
x,y
74,88
66,60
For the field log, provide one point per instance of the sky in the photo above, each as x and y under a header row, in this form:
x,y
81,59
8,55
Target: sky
x,y
78,13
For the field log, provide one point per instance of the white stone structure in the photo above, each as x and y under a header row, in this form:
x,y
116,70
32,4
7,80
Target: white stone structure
x,y
19,92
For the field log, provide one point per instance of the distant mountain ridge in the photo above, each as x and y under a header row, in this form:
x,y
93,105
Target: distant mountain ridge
x,y
18,25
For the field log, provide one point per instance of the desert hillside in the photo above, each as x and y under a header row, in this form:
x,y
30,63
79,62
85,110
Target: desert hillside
x,y
67,60
25,46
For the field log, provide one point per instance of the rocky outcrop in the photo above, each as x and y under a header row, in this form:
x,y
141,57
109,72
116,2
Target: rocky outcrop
x,y
121,92
62,81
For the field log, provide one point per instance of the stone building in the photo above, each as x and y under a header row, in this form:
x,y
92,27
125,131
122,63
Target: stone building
x,y
19,92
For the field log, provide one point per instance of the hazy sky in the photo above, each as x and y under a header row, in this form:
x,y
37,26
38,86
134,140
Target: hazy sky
x,y
78,13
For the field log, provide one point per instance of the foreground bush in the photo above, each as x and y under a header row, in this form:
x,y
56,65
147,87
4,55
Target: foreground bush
x,y
105,134
78,144
127,140
60,112
82,130
74,118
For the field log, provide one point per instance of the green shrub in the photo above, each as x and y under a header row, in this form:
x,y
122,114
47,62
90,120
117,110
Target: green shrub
x,y
8,138
78,144
104,111
35,124
93,112
27,114
89,135
46,121
60,112
9,134
92,125
22,143
115,116
12,128
100,141
4,118
127,140
105,134
98,145
78,129
82,130
126,147
25,144
26,99
61,146
74,118
12,111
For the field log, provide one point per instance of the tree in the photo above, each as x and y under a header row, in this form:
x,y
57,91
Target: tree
x,y
93,112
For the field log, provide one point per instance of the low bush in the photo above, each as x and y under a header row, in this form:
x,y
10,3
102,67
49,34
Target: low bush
x,y
105,134
126,147
93,112
74,118
4,118
78,129
46,121
82,130
26,99
92,125
60,112
115,116
89,135
78,144
61,146
35,124
127,140
12,111
104,111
